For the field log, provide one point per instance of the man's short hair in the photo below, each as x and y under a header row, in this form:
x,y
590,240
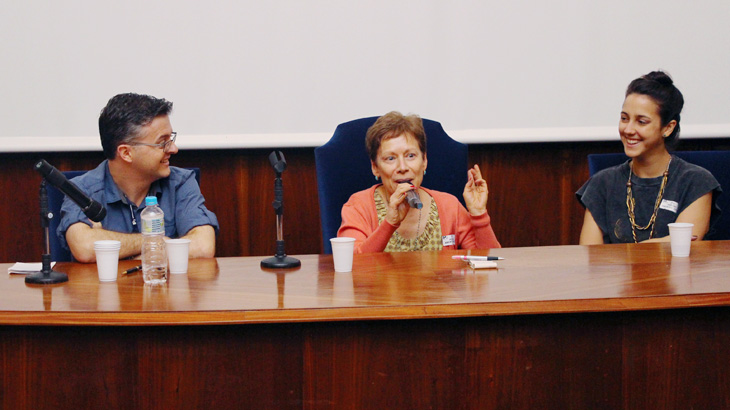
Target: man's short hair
x,y
124,115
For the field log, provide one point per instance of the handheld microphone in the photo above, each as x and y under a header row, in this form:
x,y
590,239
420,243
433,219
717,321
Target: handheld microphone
x,y
413,199
93,209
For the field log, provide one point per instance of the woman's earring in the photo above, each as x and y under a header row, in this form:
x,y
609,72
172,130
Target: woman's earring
x,y
376,177
424,172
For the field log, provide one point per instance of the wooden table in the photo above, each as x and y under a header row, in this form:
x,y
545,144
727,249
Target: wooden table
x,y
609,326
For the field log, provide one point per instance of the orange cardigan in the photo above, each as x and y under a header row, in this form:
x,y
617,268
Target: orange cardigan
x,y
360,221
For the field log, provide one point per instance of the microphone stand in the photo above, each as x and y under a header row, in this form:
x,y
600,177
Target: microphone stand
x,y
280,260
46,276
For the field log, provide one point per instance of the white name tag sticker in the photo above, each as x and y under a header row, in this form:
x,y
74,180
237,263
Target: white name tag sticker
x,y
670,206
448,240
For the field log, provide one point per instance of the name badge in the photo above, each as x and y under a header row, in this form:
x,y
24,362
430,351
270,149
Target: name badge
x,y
448,240
670,206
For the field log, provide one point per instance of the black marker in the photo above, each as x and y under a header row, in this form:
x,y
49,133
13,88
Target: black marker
x,y
467,258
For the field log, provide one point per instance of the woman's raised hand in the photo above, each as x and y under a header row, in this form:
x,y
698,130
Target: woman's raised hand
x,y
476,192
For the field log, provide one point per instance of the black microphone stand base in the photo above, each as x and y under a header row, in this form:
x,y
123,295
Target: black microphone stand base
x,y
281,262
46,278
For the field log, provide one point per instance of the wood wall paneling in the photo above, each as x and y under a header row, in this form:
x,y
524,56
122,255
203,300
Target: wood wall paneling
x,y
531,200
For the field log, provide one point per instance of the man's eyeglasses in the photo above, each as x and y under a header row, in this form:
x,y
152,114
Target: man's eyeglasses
x,y
164,145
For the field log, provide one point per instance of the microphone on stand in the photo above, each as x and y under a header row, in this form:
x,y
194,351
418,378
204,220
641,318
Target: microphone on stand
x,y
280,259
92,209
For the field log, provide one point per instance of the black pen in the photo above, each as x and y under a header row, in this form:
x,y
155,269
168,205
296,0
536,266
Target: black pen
x,y
132,270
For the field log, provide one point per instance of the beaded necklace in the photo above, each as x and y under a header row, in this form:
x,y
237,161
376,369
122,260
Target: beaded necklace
x,y
631,203
418,228
398,242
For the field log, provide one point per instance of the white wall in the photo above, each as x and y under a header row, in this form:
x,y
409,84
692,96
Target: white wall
x,y
252,73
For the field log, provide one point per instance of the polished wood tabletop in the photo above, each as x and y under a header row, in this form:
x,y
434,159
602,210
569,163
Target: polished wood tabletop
x,y
531,280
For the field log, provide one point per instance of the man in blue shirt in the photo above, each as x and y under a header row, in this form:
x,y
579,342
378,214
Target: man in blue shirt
x,y
138,141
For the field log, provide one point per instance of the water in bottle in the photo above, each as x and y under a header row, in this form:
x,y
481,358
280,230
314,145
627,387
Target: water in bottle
x,y
154,254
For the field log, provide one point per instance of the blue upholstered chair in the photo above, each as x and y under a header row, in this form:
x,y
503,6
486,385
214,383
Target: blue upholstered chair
x,y
55,200
717,162
343,168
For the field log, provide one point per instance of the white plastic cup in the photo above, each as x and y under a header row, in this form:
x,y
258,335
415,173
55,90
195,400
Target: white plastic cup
x,y
107,259
342,251
680,237
178,251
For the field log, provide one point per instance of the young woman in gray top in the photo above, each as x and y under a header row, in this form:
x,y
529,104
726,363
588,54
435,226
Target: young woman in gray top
x,y
634,201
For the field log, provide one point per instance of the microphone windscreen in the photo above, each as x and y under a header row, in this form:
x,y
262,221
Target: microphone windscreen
x,y
96,211
50,173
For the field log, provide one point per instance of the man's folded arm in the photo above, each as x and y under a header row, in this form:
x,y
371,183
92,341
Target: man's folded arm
x,y
81,237
202,241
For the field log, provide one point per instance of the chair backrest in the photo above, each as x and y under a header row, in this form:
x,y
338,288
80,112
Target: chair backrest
x,y
717,162
55,200
343,168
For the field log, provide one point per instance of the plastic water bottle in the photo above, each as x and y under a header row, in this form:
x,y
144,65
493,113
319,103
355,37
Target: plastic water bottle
x,y
154,254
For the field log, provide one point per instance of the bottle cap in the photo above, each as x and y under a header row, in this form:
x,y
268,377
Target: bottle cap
x,y
150,201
